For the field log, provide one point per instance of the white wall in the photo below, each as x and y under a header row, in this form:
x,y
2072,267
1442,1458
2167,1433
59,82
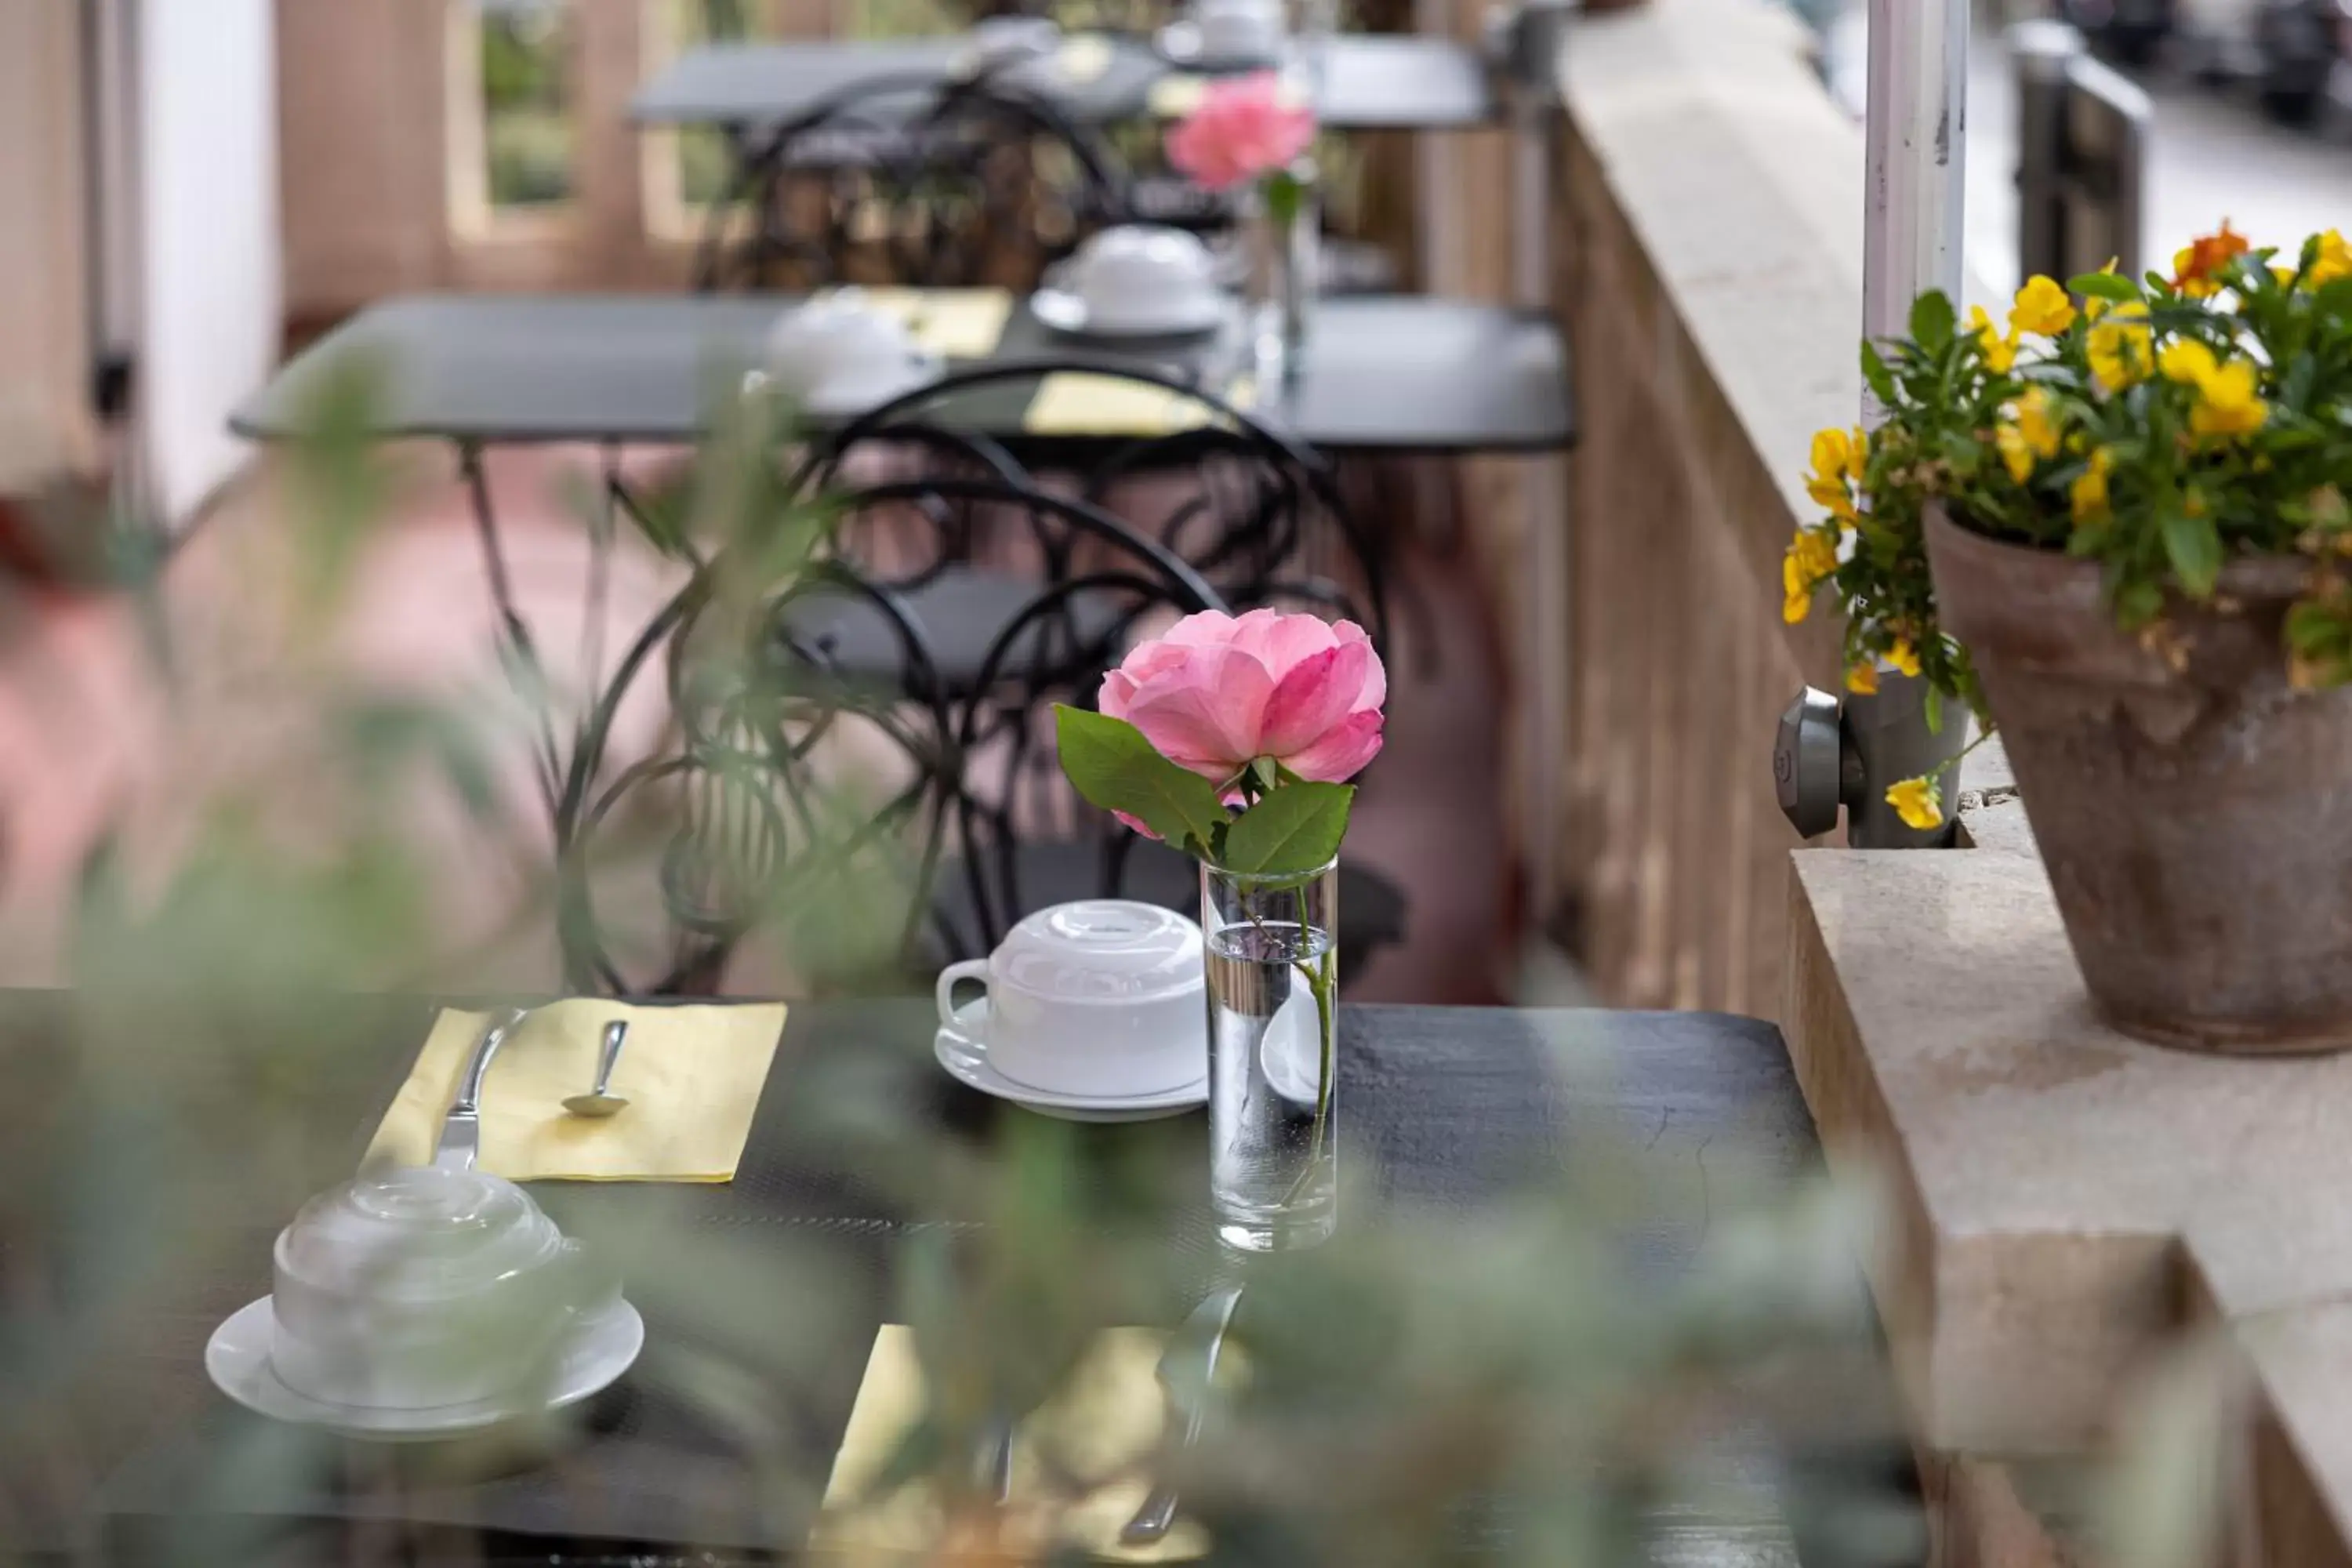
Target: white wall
x,y
212,292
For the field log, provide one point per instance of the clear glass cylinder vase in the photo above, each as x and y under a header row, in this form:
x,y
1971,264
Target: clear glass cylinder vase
x,y
1281,239
1273,957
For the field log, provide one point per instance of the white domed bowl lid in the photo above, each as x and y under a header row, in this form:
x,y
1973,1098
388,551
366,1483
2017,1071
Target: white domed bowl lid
x,y
416,1233
1101,949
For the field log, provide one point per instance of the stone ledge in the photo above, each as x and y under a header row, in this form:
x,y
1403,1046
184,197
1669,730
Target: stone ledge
x,y
2068,1200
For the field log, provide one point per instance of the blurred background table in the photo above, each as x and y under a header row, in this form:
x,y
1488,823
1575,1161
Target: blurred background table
x,y
1364,84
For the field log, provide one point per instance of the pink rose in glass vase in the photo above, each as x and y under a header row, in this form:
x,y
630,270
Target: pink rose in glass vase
x,y
1215,694
1267,712
1244,128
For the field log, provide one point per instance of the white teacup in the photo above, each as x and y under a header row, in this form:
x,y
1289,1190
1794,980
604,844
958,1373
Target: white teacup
x,y
1142,278
1103,997
412,1289
1239,29
838,351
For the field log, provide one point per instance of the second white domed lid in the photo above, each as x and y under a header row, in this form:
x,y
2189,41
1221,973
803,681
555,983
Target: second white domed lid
x,y
1102,950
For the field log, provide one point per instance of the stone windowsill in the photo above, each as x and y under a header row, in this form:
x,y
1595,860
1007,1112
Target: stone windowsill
x,y
2067,1200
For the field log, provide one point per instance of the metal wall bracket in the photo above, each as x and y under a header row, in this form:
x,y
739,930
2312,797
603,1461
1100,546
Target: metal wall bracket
x,y
1828,755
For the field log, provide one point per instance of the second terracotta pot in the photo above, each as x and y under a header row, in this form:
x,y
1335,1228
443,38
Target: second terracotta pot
x,y
2197,821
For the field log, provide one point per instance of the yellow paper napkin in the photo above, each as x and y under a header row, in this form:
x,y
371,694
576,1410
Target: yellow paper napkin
x,y
1177,94
959,324
1083,58
1108,1419
1082,403
692,1077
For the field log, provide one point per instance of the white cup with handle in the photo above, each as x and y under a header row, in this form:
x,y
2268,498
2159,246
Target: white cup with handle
x,y
1145,278
1239,29
1100,998
838,353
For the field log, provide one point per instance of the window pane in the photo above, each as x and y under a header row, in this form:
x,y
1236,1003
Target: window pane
x,y
528,134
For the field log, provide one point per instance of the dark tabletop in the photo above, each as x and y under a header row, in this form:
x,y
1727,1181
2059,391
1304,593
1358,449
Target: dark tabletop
x,y
1382,373
1367,83
1447,1106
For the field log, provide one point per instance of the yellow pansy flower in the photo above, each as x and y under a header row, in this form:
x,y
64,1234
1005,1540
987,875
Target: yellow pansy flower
x,y
2187,361
2089,494
2015,455
2000,352
2226,404
2334,261
2119,347
1904,656
1796,591
1916,802
1835,463
2031,433
2042,306
1862,679
2034,423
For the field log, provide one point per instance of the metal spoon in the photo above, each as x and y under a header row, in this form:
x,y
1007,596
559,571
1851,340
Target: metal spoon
x,y
597,1103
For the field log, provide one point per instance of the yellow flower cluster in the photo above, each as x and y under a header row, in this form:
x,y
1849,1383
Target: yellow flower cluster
x,y
1838,460
1839,457
2088,495
1812,556
1863,678
2121,347
2226,400
2333,260
2029,433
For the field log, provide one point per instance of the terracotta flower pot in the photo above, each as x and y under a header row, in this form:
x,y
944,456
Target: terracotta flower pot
x,y
2197,823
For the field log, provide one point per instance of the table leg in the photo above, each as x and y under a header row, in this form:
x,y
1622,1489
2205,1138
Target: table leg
x,y
516,650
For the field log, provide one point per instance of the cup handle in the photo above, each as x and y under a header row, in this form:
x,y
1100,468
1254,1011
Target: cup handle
x,y
970,969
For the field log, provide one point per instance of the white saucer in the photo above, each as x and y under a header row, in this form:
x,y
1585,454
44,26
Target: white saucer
x,y
846,397
963,1051
1065,310
596,1352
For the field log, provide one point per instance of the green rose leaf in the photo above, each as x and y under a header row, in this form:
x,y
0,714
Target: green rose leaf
x,y
2112,286
2194,547
1113,766
1293,830
1931,320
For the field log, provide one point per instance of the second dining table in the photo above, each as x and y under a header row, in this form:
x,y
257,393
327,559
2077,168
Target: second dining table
x,y
1395,373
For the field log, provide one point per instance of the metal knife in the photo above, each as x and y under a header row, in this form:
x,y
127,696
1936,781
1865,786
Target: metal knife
x,y
461,1129
1187,1370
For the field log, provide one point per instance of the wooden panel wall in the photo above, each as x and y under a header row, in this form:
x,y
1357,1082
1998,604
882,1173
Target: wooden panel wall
x,y
44,354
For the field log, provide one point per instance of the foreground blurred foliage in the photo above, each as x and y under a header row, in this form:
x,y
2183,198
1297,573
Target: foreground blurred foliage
x,y
1524,1386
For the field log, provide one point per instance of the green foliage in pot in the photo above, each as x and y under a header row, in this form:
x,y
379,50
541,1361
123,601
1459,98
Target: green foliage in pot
x,y
2161,427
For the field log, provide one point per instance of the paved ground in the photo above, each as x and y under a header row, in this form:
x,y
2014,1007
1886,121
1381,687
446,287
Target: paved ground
x,y
2212,155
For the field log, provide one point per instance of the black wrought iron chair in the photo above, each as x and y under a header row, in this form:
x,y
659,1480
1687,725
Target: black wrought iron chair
x,y
912,181
871,818
1254,513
